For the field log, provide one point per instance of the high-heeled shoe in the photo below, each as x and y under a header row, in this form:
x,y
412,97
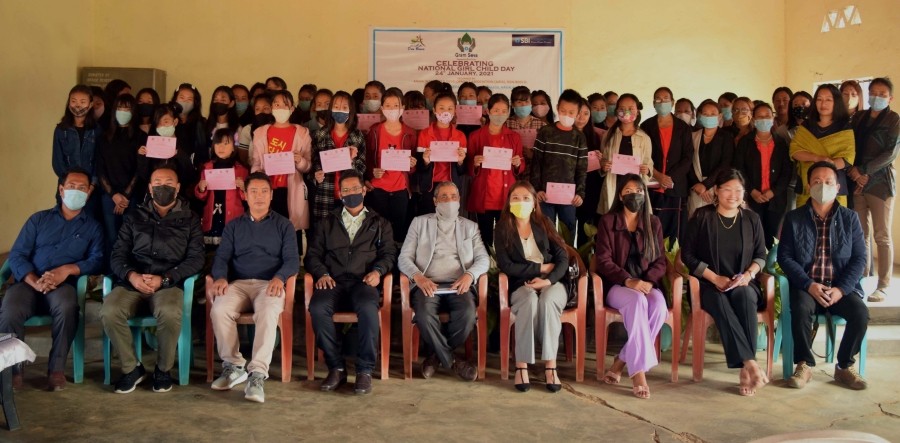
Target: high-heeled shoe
x,y
523,387
552,387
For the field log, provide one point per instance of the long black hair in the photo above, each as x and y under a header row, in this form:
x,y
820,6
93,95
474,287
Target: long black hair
x,y
792,121
551,116
351,122
637,120
195,114
122,100
652,250
839,114
507,222
68,119
233,119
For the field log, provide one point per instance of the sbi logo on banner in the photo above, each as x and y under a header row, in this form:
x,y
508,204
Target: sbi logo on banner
x,y
533,40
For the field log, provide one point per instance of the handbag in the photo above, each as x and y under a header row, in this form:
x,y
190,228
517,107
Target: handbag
x,y
574,272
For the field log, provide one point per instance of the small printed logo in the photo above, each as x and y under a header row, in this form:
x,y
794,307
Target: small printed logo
x,y
465,43
416,44
533,40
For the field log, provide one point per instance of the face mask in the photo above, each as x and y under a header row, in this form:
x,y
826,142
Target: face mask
x,y
522,111
219,108
598,116
145,110
429,105
371,106
74,199
322,114
823,193
340,117
165,131
633,202
708,121
468,102
686,117
123,117
98,112
241,107
281,115
540,111
726,113
521,209
392,115
263,119
163,195
878,103
498,120
663,108
566,121
445,118
764,125
799,112
484,109
304,105
447,210
853,102
79,111
186,107
352,200
626,117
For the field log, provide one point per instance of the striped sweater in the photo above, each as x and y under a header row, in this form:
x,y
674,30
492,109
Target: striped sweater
x,y
560,157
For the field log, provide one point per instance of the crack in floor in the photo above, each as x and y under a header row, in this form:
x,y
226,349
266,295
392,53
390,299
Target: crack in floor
x,y
685,437
889,414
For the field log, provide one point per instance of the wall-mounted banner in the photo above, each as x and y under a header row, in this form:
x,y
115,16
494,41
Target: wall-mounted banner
x,y
497,58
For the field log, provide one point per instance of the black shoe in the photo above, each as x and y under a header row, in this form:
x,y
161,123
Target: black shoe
x,y
464,370
523,387
127,382
162,381
336,378
552,387
363,383
429,366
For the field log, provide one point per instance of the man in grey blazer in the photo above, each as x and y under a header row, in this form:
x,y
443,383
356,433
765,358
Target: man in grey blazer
x,y
443,256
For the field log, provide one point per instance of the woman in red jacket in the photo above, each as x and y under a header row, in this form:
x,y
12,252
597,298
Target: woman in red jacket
x,y
221,206
389,191
429,172
491,186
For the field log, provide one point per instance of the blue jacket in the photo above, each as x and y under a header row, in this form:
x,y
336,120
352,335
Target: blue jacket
x,y
797,248
48,240
69,150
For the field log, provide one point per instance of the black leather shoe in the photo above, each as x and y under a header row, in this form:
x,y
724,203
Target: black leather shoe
x,y
464,370
553,387
523,387
429,366
336,378
363,383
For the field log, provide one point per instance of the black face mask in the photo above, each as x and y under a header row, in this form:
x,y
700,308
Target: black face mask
x,y
145,110
799,112
219,108
322,115
633,202
262,120
352,200
164,195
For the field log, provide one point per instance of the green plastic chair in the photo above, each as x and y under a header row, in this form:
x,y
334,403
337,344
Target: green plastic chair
x,y
46,320
138,324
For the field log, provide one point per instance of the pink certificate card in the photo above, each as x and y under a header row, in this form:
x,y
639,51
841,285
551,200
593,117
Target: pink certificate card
x,y
417,119
593,161
220,179
444,151
160,147
625,164
497,158
395,160
280,163
365,121
334,160
560,193
528,136
468,115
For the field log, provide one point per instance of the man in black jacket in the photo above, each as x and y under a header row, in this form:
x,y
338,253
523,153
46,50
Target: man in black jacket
x,y
823,255
352,249
159,246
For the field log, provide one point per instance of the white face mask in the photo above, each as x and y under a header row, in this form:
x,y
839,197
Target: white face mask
x,y
371,106
165,131
566,121
447,210
686,117
853,102
392,115
823,193
281,115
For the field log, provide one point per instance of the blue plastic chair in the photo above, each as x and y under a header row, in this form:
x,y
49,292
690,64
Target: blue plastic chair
x,y
46,320
138,324
784,342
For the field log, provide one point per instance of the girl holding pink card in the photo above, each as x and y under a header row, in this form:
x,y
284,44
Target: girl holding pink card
x,y
222,205
442,130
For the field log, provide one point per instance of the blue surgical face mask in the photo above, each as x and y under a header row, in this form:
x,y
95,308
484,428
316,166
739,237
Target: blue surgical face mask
x,y
726,113
764,124
522,111
468,102
498,120
598,116
123,117
663,108
74,199
241,107
878,103
340,117
708,121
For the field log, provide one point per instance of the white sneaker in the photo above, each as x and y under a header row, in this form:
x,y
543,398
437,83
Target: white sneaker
x,y
254,389
231,377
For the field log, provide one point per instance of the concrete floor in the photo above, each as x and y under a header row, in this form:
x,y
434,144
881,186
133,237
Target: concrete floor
x,y
444,408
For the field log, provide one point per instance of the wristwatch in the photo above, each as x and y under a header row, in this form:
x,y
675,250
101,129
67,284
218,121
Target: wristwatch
x,y
166,281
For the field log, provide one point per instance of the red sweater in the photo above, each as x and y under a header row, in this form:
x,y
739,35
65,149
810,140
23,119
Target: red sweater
x,y
486,180
233,197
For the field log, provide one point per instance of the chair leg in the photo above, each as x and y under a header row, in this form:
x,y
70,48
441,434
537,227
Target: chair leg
x,y
779,330
78,353
106,358
137,338
407,347
185,350
8,399
699,350
831,331
568,330
688,331
287,353
676,338
770,349
787,345
385,350
862,355
481,330
504,347
310,349
580,348
601,334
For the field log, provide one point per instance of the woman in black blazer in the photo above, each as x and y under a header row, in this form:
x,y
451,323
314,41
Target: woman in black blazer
x,y
766,187
533,256
713,154
724,249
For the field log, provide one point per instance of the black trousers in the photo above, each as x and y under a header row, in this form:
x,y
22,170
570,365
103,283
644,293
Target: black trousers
x,y
22,301
280,206
851,307
735,315
347,295
462,319
771,221
392,206
671,215
486,223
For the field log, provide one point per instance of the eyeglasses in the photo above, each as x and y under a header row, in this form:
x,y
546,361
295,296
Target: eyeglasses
x,y
353,190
